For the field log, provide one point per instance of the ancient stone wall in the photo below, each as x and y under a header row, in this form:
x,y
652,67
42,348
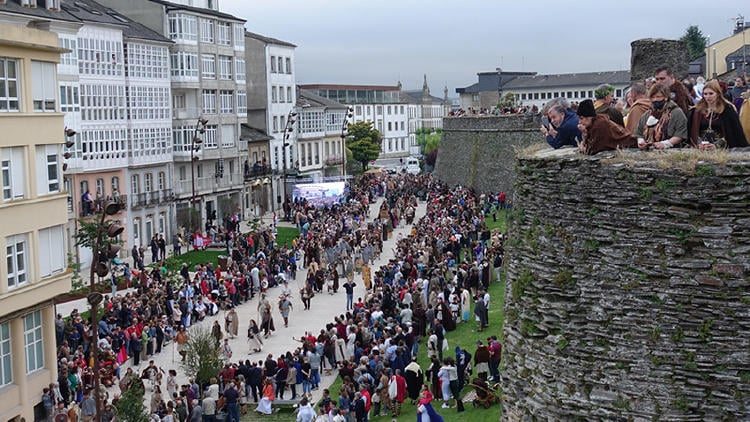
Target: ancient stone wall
x,y
627,293
480,151
648,54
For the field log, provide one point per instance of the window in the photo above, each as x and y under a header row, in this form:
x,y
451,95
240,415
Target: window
x,y
275,124
69,59
47,157
69,100
390,126
273,64
288,65
148,182
239,36
281,65
227,136
51,252
183,27
8,84
402,125
161,180
115,184
135,184
208,66
32,332
523,96
224,33
225,68
379,110
239,69
178,101
6,363
289,94
209,101
185,64
274,94
15,253
207,30
282,98
99,187
209,138
183,173
241,102
136,229
226,101
13,173
389,110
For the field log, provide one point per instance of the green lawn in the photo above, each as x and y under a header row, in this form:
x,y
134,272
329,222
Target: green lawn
x,y
174,263
285,235
501,220
465,336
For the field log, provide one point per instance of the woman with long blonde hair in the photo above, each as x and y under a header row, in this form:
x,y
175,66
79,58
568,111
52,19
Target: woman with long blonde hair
x,y
714,122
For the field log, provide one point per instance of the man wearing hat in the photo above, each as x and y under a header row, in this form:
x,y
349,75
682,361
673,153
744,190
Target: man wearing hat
x,y
600,133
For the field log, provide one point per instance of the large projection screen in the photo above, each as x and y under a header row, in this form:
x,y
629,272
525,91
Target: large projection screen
x,y
319,194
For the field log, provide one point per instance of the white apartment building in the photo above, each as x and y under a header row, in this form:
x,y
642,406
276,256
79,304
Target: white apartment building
x,y
319,145
380,104
208,76
537,90
271,100
114,90
425,111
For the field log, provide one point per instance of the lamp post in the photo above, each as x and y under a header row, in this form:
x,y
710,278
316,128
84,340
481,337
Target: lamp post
x,y
344,127
195,146
288,130
103,254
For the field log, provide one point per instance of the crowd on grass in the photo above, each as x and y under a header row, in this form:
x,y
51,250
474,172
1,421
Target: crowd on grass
x,y
423,292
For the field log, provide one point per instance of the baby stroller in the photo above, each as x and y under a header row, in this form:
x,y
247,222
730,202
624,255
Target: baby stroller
x,y
486,393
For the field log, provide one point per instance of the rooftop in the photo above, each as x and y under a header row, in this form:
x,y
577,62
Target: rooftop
x,y
618,77
351,87
306,98
268,40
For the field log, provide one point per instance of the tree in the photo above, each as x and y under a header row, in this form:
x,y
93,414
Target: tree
x,y
508,101
695,40
202,357
363,141
130,407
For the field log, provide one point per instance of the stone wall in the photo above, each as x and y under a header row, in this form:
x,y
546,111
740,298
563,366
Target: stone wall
x,y
627,293
648,54
480,151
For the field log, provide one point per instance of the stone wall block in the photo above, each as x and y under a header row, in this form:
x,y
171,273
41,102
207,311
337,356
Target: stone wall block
x,y
627,289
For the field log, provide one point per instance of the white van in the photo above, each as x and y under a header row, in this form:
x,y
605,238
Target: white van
x,y
412,166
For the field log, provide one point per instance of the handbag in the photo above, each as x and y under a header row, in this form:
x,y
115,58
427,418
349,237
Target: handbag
x,y
709,136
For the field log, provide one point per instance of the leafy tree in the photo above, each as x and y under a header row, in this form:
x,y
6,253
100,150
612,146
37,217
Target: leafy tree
x,y
508,100
363,140
429,139
202,356
696,41
130,407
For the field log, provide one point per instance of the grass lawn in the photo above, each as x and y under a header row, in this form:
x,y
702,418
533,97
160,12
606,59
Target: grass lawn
x,y
500,223
465,336
195,257
285,235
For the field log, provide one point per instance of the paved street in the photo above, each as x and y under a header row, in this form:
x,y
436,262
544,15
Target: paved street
x,y
323,309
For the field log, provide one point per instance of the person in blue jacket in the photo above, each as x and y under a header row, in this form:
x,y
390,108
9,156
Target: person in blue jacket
x,y
562,129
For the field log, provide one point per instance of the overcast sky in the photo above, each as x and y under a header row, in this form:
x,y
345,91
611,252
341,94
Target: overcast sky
x,y
383,41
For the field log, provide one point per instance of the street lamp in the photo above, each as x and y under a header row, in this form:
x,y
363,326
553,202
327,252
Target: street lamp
x,y
195,146
288,130
103,254
344,126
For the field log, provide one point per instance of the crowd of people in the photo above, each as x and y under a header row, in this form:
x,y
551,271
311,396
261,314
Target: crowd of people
x,y
660,113
423,292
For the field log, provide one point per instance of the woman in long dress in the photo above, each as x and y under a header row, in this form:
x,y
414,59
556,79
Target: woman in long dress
x,y
264,405
266,323
425,412
231,323
253,337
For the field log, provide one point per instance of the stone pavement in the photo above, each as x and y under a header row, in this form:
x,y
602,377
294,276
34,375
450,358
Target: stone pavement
x,y
323,309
